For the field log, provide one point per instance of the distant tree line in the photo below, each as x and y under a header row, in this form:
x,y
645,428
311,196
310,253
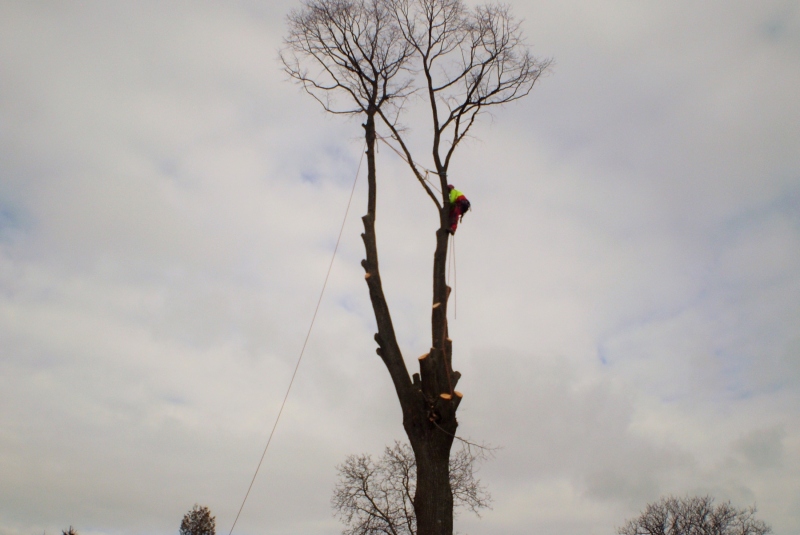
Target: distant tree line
x,y
375,498
695,515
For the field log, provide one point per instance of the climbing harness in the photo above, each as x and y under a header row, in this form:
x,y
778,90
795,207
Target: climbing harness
x,y
305,342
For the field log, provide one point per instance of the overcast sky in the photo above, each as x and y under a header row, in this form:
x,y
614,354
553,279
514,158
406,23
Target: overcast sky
x,y
628,282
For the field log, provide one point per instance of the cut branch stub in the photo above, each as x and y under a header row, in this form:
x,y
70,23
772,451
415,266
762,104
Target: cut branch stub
x,y
427,369
454,377
457,399
445,405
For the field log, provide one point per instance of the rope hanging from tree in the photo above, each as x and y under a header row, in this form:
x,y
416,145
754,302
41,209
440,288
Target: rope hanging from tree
x,y
412,165
305,342
314,317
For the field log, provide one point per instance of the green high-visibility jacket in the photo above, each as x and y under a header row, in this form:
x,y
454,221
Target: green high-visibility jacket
x,y
454,194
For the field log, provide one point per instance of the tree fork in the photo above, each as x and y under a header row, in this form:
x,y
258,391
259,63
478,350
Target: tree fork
x,y
428,419
369,53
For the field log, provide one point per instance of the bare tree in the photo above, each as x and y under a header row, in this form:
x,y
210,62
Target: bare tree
x,y
350,49
470,61
694,515
376,497
198,521
70,531
367,53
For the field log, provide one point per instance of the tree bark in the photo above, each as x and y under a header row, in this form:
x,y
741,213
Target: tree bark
x,y
370,52
386,339
429,418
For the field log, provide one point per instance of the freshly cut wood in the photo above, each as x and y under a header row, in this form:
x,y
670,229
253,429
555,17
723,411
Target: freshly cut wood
x,y
367,275
423,357
344,41
445,395
457,393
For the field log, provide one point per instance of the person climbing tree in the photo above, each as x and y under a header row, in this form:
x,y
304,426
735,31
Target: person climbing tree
x,y
458,207
368,58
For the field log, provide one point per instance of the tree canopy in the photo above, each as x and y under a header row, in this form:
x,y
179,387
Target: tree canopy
x,y
369,58
375,497
198,521
695,515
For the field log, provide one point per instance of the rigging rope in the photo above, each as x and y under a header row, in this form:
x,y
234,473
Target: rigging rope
x,y
451,268
403,157
308,335
449,261
455,280
427,171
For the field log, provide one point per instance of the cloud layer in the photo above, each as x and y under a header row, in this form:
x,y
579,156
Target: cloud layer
x,y
628,282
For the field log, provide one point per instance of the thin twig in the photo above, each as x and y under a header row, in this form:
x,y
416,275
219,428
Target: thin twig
x,y
465,441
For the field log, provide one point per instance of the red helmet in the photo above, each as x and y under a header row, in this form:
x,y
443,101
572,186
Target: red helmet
x,y
450,186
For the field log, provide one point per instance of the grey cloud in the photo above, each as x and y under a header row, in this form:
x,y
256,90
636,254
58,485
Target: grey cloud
x,y
763,447
627,280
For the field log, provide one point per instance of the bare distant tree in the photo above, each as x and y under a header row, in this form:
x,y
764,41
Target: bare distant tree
x,y
694,516
198,521
70,531
377,497
367,57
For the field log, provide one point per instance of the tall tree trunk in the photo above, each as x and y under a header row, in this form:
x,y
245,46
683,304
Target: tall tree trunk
x,y
429,402
433,502
386,339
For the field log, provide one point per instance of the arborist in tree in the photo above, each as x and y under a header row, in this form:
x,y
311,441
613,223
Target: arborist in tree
x,y
459,205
